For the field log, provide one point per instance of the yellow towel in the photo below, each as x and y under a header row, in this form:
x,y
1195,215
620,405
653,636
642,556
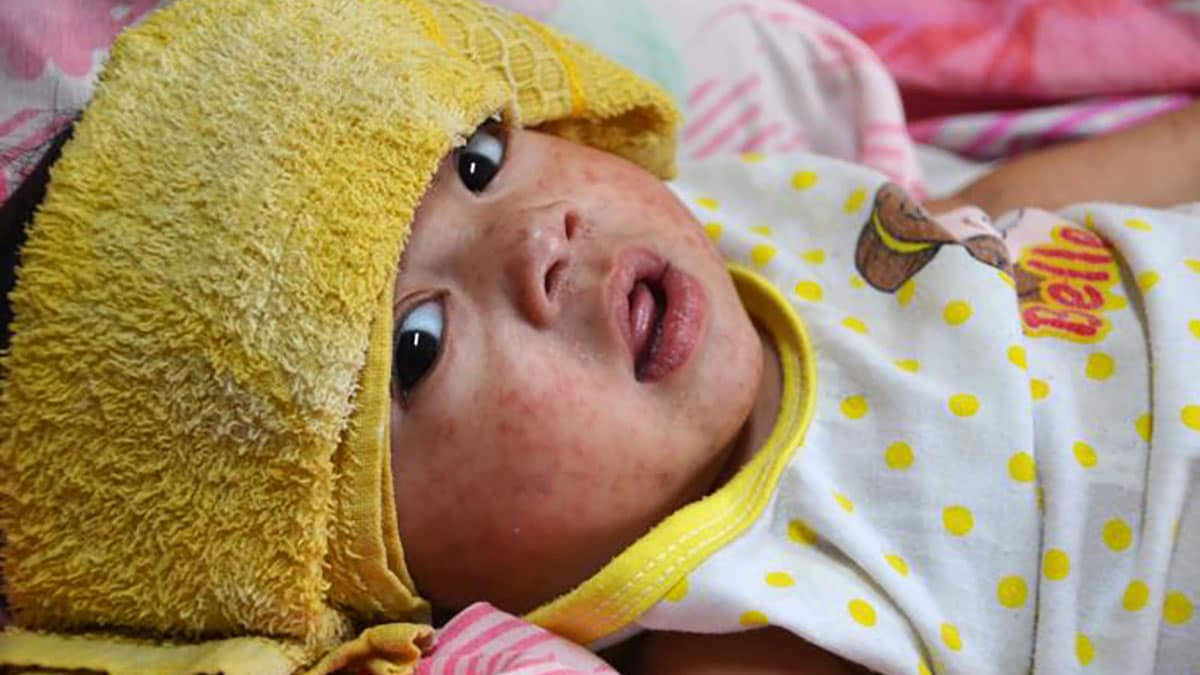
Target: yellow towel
x,y
194,462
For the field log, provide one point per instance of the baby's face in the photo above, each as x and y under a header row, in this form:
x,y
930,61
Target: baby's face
x,y
572,365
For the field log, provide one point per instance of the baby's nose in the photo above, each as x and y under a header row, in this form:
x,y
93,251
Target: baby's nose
x,y
539,258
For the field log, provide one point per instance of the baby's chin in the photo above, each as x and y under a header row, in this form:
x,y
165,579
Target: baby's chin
x,y
523,562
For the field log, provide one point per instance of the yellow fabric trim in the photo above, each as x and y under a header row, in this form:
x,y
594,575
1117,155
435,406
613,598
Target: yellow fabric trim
x,y
578,98
896,244
641,575
365,562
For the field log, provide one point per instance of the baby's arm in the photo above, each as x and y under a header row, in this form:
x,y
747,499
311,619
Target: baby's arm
x,y
1154,164
766,651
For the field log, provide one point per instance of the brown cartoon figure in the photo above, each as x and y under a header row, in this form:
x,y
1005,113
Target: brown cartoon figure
x,y
900,237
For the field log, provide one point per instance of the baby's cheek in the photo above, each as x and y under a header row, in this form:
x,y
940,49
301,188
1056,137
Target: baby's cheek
x,y
545,435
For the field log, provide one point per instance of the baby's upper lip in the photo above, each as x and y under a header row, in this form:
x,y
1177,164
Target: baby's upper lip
x,y
630,266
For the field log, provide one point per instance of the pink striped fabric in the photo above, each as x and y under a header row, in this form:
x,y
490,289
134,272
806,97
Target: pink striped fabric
x,y
772,76
483,640
21,138
996,135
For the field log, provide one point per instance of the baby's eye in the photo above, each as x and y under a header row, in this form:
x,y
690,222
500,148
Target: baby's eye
x,y
480,159
416,345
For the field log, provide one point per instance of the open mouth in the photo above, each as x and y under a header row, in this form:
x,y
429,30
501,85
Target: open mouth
x,y
647,306
660,310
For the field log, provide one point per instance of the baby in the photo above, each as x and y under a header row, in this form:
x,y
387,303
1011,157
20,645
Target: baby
x,y
817,425
939,458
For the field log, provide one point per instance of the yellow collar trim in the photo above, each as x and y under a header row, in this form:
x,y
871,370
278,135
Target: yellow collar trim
x,y
642,574
893,243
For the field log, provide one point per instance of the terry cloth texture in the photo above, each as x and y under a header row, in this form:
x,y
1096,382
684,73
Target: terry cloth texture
x,y
194,448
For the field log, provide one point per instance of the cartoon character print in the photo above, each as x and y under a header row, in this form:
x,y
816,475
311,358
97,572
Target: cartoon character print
x,y
1064,275
900,237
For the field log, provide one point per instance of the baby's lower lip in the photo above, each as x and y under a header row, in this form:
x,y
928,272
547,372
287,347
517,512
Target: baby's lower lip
x,y
683,323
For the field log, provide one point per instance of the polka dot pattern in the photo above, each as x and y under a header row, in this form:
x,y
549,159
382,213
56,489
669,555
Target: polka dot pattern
x,y
803,180
801,533
810,291
855,407
1012,592
899,456
855,201
1010,468
862,612
762,254
779,580
1146,281
1084,454
1177,608
957,312
753,618
1190,416
1117,534
855,324
958,520
1085,653
1144,425
950,637
1056,564
713,230
1022,467
1137,594
964,405
1016,356
845,502
1100,366
708,203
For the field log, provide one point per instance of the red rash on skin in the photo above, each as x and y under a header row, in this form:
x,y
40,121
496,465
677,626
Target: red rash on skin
x,y
530,454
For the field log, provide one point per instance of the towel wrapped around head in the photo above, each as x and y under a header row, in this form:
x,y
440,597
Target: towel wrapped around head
x,y
194,460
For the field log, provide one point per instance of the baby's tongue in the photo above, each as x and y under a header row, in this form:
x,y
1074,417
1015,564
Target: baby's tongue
x,y
641,318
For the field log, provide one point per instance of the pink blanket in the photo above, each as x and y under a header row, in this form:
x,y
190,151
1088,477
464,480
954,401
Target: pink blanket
x,y
951,56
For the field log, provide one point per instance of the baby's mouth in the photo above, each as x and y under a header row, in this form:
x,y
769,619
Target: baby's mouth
x,y
659,310
647,306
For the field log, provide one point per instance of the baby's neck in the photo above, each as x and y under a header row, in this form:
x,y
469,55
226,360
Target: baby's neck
x,y
763,416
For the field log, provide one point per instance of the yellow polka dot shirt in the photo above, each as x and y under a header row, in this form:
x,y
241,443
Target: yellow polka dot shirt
x,y
988,454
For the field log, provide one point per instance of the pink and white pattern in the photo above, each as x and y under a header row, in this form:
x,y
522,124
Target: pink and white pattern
x,y
50,53
483,640
1032,50
994,135
773,76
